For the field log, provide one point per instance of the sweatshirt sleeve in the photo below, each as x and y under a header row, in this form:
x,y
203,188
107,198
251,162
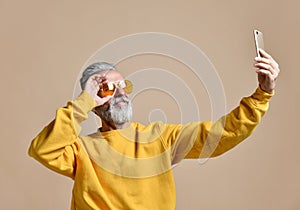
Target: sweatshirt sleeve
x,y
56,146
211,139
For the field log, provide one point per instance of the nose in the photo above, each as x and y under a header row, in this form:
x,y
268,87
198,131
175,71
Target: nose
x,y
119,91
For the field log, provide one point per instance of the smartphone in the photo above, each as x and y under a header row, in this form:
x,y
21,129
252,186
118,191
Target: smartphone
x,y
259,41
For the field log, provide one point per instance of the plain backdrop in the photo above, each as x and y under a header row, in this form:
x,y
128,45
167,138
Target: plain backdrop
x,y
44,45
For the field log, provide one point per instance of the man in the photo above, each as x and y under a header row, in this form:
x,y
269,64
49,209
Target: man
x,y
127,165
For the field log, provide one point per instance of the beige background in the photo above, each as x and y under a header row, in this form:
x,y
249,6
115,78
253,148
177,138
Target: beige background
x,y
44,45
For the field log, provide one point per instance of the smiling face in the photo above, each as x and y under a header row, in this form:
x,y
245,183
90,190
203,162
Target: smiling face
x,y
118,110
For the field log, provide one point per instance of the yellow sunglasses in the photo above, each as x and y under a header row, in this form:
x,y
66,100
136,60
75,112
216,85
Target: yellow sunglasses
x,y
108,88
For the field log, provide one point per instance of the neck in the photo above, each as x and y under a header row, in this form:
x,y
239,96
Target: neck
x,y
109,126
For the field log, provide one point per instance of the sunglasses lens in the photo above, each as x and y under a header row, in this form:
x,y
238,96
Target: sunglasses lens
x,y
106,89
128,86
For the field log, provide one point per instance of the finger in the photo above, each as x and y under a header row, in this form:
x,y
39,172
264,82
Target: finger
x,y
92,80
107,98
264,72
264,54
91,83
104,99
262,60
265,67
96,78
270,62
273,63
101,77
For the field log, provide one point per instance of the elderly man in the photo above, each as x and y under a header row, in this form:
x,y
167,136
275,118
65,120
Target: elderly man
x,y
127,165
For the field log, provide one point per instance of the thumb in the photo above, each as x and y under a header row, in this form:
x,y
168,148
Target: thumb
x,y
100,101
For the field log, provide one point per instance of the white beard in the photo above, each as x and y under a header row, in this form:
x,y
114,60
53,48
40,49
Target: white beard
x,y
117,114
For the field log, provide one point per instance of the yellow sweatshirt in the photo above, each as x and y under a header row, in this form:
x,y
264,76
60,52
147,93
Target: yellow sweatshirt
x,y
130,169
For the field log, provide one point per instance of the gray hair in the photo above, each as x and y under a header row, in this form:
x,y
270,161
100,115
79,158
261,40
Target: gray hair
x,y
93,69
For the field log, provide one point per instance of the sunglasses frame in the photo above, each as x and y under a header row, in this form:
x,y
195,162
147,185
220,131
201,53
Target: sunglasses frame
x,y
110,87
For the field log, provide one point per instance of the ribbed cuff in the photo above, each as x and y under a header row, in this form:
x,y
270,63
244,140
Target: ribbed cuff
x,y
261,97
85,101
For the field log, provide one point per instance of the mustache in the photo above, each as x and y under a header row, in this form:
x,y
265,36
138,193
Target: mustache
x,y
121,98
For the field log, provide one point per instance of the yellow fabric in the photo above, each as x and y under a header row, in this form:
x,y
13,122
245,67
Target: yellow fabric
x,y
131,168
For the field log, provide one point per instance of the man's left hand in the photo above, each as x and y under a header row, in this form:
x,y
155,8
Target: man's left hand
x,y
267,71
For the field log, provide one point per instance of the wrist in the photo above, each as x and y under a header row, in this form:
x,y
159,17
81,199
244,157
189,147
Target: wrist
x,y
267,90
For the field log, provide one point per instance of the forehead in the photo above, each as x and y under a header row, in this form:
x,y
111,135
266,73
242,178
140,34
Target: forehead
x,y
112,75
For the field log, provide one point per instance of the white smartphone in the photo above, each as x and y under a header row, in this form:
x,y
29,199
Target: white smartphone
x,y
259,41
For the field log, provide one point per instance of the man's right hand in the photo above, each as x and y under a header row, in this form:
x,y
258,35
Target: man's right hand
x,y
92,87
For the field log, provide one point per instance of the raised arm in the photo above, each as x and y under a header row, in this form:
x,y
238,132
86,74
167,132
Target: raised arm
x,y
241,122
210,139
56,145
